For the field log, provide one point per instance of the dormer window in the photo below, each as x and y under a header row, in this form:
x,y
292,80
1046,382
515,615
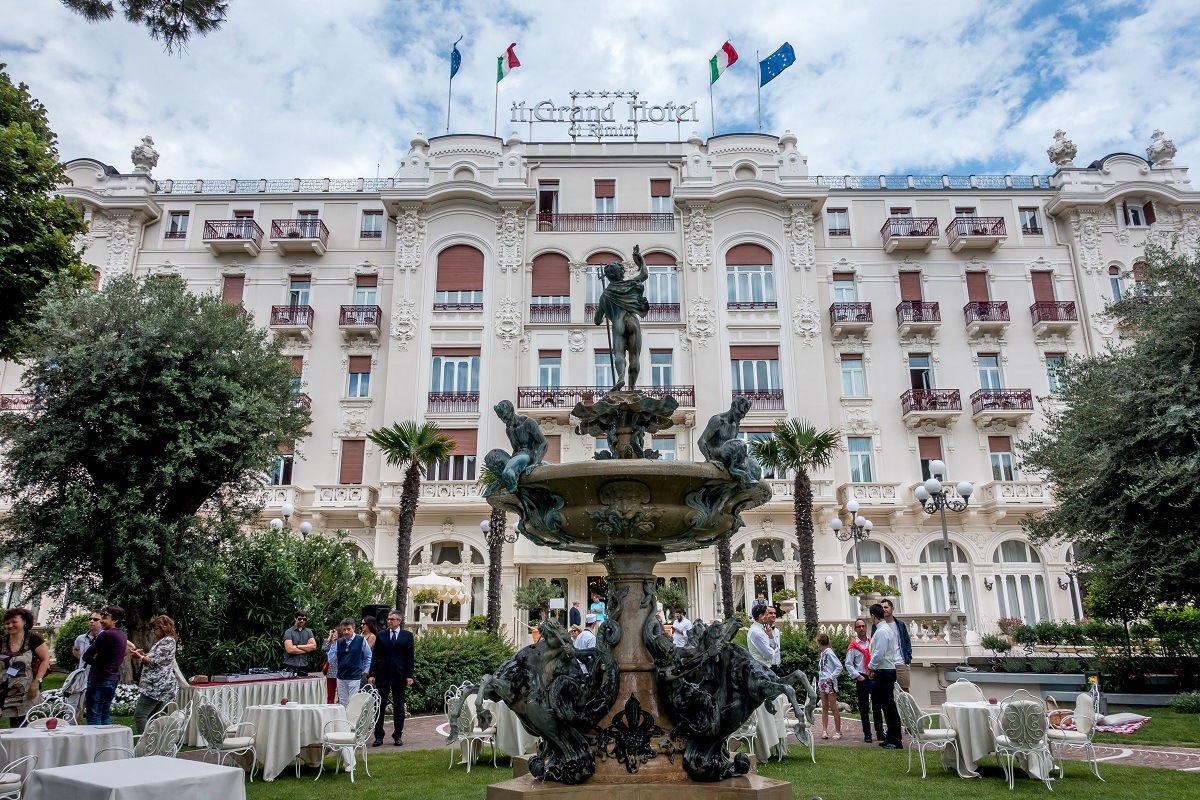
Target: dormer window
x,y
1137,215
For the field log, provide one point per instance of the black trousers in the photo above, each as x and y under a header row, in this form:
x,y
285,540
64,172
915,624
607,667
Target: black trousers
x,y
397,694
885,684
866,706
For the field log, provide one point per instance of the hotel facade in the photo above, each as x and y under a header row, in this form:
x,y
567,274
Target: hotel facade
x,y
921,317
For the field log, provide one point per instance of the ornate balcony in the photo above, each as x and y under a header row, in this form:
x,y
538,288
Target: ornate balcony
x,y
986,317
550,312
292,319
909,233
783,491
1051,318
299,236
303,400
360,321
871,495
233,236
450,491
941,406
916,316
273,497
1011,405
16,402
762,401
752,305
343,497
979,233
453,402
659,312
1001,498
612,223
850,318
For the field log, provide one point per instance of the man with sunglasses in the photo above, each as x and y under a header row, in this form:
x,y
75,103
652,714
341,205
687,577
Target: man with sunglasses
x,y
84,640
298,642
105,655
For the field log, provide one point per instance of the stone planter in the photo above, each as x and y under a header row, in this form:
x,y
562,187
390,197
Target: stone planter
x,y
865,601
789,608
427,610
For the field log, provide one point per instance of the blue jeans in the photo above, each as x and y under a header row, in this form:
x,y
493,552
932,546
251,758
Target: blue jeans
x,y
99,702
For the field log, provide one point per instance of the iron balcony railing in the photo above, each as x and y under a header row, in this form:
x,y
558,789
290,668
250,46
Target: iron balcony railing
x,y
1002,400
930,400
549,312
458,306
751,305
241,229
986,311
770,400
453,402
568,396
1032,229
908,226
849,312
910,311
581,223
302,400
1053,311
370,234
659,312
360,316
974,226
299,229
16,402
292,316
839,231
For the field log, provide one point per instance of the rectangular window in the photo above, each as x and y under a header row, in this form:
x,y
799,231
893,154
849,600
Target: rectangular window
x,y
549,369
603,369
665,445
755,368
854,378
246,229
845,290
1029,220
1043,286
1114,283
606,196
662,287
661,366
547,198
964,211
366,290
281,470
837,221
977,287
372,225
1000,448
900,212
1134,215
920,373
460,298
750,284
929,449
232,288
353,453
859,448
455,371
299,289
359,384
660,196
910,287
178,225
1055,362
461,465
297,363
989,371
752,433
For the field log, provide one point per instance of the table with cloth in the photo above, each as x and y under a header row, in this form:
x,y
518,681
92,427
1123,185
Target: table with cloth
x,y
251,693
975,739
511,736
66,745
285,733
771,730
148,778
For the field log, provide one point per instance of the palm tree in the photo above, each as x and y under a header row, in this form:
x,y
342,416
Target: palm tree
x,y
725,570
496,537
796,445
410,447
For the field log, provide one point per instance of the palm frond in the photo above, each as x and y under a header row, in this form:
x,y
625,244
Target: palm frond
x,y
408,442
795,445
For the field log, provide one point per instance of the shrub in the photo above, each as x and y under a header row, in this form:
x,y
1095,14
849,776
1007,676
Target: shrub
x,y
445,659
425,596
64,639
783,594
865,585
1043,665
1070,665
799,652
1178,629
479,622
996,643
1014,664
125,699
1186,703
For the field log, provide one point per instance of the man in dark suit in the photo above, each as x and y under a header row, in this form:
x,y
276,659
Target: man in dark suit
x,y
392,671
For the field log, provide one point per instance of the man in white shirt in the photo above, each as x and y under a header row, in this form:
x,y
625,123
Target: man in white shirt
x,y
680,628
858,658
883,671
586,640
762,640
903,650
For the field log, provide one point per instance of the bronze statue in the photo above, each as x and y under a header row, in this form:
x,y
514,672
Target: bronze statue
x,y
622,303
720,444
528,443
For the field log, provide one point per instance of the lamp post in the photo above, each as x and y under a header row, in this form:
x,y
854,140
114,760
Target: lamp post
x,y
858,529
933,497
287,510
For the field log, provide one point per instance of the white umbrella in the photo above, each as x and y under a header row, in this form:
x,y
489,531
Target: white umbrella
x,y
448,589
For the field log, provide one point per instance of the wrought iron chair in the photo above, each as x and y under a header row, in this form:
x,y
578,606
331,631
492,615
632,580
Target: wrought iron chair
x,y
964,691
747,734
925,731
163,737
1021,731
1083,719
227,700
468,731
14,775
51,708
365,703
214,731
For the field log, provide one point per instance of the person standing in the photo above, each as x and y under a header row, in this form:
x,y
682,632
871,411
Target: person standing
x,y
903,652
883,670
298,642
108,650
576,616
349,659
598,608
84,640
828,669
26,658
392,667
587,638
158,685
680,628
761,640
858,658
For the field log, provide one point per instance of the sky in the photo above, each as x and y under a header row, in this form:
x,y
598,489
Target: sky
x,y
338,88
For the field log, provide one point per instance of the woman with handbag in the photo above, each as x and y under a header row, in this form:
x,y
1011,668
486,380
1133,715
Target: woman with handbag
x,y
25,660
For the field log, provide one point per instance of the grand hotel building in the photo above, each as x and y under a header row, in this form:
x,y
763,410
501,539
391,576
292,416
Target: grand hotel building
x,y
921,317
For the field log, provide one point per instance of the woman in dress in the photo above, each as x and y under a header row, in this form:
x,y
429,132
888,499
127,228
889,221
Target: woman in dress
x,y
828,669
159,685
24,662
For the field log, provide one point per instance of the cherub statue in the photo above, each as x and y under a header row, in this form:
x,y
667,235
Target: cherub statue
x,y
622,302
527,441
720,443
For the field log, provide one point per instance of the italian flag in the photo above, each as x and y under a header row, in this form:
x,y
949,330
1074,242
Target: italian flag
x,y
506,62
720,62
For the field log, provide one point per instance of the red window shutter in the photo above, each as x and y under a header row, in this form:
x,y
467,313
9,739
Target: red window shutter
x,y
353,453
1000,444
453,352
460,269
929,447
551,276
1043,286
606,187
1138,274
1114,270
659,259
465,440
1125,212
977,287
360,364
554,453
747,255
660,351
601,351
660,187
855,357
754,352
603,257
306,278
910,286
286,448
549,353
1148,213
232,288
297,365
843,276
366,280
95,282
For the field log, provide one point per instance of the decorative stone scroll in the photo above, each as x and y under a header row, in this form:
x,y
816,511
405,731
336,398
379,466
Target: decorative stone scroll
x,y
510,234
798,227
410,237
697,236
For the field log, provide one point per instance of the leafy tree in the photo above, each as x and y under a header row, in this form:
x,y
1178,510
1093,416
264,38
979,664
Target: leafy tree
x,y
64,640
410,447
170,21
672,596
155,413
797,446
535,596
35,226
1123,454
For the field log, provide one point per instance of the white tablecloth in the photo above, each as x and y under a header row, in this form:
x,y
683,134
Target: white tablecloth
x,y
975,739
511,736
253,693
66,745
772,730
282,733
149,778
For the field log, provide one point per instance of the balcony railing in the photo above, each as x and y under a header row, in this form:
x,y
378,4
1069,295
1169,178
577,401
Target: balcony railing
x,y
292,316
453,402
1001,400
549,312
909,226
360,316
568,396
751,305
659,312
582,223
763,401
849,312
1054,311
302,400
910,311
300,229
1035,230
370,234
986,311
16,402
458,306
236,229
839,231
930,400
975,226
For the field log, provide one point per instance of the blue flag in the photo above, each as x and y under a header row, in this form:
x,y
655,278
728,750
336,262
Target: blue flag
x,y
455,59
775,63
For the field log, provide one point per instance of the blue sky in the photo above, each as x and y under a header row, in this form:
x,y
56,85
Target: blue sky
x,y
338,88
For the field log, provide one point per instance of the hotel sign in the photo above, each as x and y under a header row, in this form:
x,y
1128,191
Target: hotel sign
x,y
604,114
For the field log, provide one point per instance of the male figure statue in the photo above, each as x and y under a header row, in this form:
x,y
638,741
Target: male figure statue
x,y
622,303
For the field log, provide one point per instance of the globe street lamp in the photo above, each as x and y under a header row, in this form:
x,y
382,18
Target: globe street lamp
x,y
858,529
933,497
287,510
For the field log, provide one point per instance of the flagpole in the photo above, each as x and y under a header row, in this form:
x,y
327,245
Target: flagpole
x,y
449,96
759,91
712,115
496,106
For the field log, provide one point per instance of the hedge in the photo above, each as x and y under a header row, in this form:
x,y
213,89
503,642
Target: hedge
x,y
446,659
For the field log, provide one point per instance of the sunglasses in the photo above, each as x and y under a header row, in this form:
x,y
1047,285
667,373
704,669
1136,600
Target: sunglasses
x,y
94,619
105,615
302,618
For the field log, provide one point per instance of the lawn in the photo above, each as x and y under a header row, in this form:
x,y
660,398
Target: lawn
x,y
841,773
1166,728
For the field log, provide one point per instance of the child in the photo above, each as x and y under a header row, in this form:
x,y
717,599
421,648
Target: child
x,y
828,669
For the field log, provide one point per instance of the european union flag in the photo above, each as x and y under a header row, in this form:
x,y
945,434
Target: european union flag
x,y
455,59
775,63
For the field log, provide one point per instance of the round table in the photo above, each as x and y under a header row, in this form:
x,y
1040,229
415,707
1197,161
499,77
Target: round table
x,y
66,745
975,739
511,736
285,733
771,730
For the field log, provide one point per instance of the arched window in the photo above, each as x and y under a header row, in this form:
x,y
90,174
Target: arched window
x,y
476,556
662,287
1020,582
459,279
876,561
1114,282
1076,589
1139,279
749,277
447,553
934,596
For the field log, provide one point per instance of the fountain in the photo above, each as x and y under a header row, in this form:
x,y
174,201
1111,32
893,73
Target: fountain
x,y
634,716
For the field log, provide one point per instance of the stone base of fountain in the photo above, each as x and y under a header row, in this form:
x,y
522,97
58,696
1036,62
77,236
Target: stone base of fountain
x,y
747,787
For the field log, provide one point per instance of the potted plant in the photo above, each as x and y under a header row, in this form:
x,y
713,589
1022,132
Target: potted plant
x,y
1007,625
427,601
786,600
869,591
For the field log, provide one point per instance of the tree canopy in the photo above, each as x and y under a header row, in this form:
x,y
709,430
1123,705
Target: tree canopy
x,y
36,227
155,414
172,22
1123,454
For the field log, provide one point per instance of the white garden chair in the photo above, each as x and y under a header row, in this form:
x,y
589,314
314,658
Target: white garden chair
x,y
460,706
964,691
51,708
360,719
747,734
925,731
163,737
227,700
1021,732
14,775
214,731
1083,719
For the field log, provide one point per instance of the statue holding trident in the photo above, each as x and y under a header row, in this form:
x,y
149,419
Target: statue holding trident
x,y
621,304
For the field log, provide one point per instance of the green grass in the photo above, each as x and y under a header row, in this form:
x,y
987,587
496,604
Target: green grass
x,y
1166,727
841,773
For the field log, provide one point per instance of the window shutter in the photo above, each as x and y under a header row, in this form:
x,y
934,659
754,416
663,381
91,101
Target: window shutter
x,y
305,278
297,365
460,269
843,276
286,448
232,288
1125,212
1000,444
929,447
606,187
465,440
603,257
551,276
852,357
754,352
601,351
747,255
1148,212
549,353
910,286
366,280
452,352
554,453
659,259
360,364
1138,274
1043,286
353,453
756,429
661,351
977,287
660,187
